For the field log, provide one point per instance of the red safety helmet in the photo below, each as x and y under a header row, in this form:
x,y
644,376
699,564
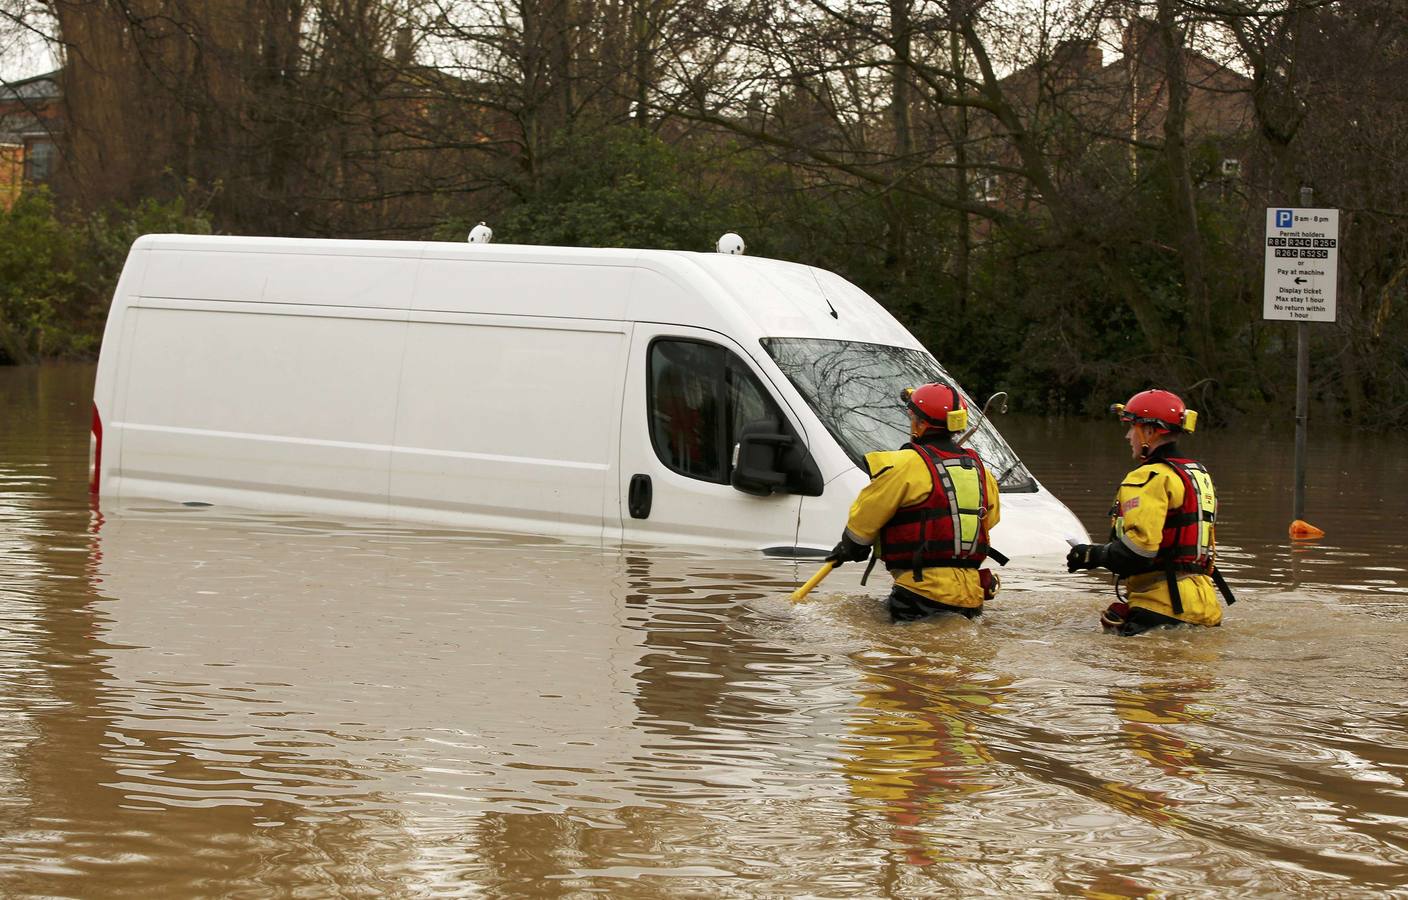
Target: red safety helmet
x,y
1161,409
938,404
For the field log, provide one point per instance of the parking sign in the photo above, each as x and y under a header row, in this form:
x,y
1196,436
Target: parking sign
x,y
1302,264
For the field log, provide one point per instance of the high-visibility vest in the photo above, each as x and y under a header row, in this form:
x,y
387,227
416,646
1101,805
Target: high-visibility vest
x,y
946,528
1188,539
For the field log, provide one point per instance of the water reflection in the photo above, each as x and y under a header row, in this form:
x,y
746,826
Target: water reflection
x,y
916,747
352,663
291,675
1149,715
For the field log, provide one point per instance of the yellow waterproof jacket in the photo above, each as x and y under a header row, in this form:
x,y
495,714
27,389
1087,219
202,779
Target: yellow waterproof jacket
x,y
900,478
1141,504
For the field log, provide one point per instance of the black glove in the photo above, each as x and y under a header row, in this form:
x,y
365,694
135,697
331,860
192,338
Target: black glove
x,y
1085,556
848,551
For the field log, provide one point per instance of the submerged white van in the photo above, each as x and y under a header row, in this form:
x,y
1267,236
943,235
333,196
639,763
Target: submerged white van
x,y
612,395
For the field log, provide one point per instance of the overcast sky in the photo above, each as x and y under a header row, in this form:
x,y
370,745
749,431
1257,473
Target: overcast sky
x,y
21,53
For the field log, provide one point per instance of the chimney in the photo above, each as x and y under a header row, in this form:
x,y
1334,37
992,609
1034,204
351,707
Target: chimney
x,y
1076,60
402,47
1141,41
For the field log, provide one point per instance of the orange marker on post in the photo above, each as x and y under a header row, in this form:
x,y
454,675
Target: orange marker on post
x,y
1303,530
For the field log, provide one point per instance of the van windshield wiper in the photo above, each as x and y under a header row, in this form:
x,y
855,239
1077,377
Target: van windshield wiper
x,y
1027,485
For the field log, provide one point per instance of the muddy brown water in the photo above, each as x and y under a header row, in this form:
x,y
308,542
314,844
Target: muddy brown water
x,y
200,703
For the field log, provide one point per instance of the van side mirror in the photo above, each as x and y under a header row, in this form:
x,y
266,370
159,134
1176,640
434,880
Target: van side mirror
x,y
766,461
755,459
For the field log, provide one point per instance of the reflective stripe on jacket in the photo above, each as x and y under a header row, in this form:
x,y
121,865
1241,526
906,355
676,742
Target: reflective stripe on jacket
x,y
946,529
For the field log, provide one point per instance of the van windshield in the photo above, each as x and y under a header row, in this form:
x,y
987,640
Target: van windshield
x,y
854,389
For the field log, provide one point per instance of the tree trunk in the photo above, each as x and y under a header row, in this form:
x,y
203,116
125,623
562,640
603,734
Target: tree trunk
x,y
1181,193
641,50
558,15
960,163
897,255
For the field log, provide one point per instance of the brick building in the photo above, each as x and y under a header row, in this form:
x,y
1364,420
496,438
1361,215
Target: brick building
x,y
31,119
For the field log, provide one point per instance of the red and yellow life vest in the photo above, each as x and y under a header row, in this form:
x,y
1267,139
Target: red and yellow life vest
x,y
1187,543
945,529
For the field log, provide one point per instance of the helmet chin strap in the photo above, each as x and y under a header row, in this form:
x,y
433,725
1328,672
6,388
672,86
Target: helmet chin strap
x,y
1159,439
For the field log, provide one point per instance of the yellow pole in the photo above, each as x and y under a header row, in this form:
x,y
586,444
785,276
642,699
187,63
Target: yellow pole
x,y
801,593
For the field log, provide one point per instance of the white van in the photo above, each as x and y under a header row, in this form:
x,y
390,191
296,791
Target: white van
x,y
612,395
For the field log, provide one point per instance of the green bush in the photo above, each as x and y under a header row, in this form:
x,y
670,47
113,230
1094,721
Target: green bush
x,y
57,275
37,277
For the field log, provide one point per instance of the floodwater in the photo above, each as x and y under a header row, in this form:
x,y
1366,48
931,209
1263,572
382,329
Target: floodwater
x,y
205,702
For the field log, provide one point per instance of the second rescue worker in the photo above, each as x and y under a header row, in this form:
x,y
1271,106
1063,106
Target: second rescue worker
x,y
927,512
1163,542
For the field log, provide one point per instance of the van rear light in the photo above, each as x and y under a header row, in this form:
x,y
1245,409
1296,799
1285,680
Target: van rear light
x,y
95,447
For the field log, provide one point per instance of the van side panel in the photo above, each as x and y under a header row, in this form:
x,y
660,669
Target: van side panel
x,y
291,409
523,288
194,275
508,422
316,279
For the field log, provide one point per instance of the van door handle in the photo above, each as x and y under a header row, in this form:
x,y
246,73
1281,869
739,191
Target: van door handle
x,y
638,499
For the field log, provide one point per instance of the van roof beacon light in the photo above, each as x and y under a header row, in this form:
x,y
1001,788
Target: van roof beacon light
x,y
731,244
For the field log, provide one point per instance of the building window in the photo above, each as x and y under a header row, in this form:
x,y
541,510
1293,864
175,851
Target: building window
x,y
985,188
39,156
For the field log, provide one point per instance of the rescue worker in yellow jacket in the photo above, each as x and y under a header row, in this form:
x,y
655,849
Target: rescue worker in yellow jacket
x,y
927,513
1163,542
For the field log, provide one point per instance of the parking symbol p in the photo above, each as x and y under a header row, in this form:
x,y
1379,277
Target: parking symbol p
x,y
1284,218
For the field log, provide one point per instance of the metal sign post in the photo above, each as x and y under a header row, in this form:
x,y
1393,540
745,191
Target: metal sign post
x,y
1302,264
